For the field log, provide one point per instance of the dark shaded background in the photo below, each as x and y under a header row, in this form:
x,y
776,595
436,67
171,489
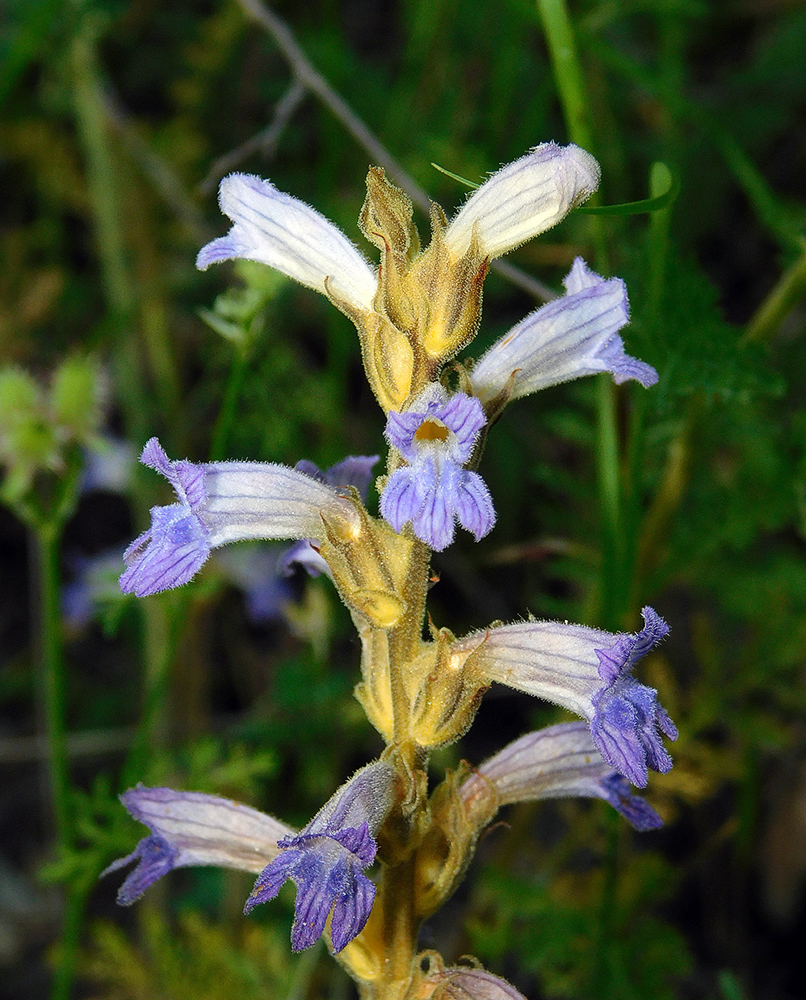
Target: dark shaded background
x,y
114,118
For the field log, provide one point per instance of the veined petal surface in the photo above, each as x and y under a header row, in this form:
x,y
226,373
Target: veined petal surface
x,y
568,338
193,828
524,198
276,229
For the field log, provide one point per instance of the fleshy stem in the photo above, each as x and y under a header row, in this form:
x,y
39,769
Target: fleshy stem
x,y
404,641
396,921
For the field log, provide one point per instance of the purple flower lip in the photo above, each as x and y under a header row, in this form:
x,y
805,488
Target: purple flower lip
x,y
555,762
628,719
436,436
326,861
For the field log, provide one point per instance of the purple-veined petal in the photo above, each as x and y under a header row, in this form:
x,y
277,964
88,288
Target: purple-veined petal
x,y
589,672
555,762
351,910
169,554
524,198
473,504
433,519
276,229
193,828
568,338
399,502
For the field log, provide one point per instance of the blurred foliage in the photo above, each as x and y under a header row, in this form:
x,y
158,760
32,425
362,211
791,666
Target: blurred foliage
x,y
115,119
190,959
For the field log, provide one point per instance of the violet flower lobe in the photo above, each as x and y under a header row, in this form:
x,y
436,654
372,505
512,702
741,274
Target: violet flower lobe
x,y
221,502
589,672
436,436
327,858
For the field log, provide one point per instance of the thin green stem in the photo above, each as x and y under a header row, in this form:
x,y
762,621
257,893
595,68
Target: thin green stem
x,y
572,91
571,88
610,499
47,538
105,204
788,291
101,173
65,969
601,984
229,405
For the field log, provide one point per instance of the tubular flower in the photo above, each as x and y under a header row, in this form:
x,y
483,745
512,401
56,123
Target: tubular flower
x,y
327,858
551,763
589,672
221,502
274,228
524,198
567,338
436,436
189,829
420,307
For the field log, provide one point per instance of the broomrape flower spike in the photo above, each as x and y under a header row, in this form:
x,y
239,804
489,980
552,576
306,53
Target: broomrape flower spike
x,y
436,437
413,312
327,858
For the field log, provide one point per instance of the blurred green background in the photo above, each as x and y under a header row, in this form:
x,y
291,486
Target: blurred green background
x,y
118,120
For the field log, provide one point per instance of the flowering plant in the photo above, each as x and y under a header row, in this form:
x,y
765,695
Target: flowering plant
x,y
420,689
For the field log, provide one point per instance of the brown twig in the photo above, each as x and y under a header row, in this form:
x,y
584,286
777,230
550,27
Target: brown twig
x,y
305,72
264,142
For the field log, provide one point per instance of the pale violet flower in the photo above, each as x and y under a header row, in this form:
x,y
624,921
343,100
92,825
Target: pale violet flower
x,y
567,338
469,983
276,229
556,762
589,672
436,437
221,502
192,829
524,199
327,858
